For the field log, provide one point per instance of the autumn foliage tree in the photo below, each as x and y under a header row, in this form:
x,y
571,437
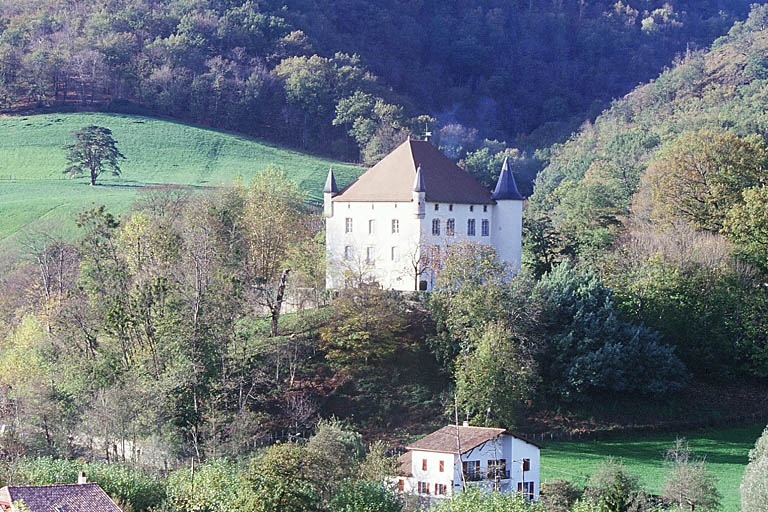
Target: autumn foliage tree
x,y
702,175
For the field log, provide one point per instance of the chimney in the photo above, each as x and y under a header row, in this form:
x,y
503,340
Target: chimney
x,y
465,424
81,479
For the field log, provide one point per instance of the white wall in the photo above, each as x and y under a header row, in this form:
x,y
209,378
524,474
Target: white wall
x,y
414,238
391,274
508,231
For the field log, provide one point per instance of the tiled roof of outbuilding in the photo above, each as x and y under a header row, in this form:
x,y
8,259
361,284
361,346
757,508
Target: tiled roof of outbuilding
x,y
60,498
444,440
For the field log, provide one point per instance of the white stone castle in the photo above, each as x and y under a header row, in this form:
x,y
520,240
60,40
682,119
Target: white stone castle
x,y
392,224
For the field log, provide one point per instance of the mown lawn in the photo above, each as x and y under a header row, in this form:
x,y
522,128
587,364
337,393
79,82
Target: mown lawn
x,y
726,451
33,190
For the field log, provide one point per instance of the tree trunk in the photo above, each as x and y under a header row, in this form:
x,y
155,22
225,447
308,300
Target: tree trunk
x,y
275,310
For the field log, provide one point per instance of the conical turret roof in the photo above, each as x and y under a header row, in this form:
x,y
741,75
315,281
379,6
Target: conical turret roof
x,y
506,188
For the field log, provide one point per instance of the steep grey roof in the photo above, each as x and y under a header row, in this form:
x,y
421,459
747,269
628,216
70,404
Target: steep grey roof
x,y
506,188
444,440
64,498
393,178
330,183
418,183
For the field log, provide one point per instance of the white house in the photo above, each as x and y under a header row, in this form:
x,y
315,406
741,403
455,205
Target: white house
x,y
391,224
441,463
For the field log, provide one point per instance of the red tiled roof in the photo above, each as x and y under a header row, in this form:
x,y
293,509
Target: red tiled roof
x,y
393,178
404,464
60,498
444,440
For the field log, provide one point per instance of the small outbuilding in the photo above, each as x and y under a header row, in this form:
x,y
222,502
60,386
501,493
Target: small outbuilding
x,y
80,497
445,461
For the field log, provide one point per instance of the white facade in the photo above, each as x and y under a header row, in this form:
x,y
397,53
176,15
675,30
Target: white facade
x,y
496,464
398,243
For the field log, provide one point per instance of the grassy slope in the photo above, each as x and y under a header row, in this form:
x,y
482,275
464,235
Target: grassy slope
x,y
33,188
726,452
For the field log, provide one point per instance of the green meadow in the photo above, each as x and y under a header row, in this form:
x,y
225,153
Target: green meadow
x,y
35,195
725,451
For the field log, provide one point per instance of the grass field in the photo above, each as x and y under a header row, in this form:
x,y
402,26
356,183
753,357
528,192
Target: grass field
x,y
726,452
33,190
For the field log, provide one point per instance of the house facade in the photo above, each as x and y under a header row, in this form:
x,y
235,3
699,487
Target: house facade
x,y
443,462
393,223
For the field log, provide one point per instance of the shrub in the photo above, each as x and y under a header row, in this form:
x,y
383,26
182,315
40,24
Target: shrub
x,y
754,484
364,496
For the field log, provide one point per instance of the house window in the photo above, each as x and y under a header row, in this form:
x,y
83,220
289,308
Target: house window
x,y
450,207
423,464
472,469
348,253
437,207
401,485
395,254
526,489
436,227
526,464
471,208
422,488
450,227
485,208
440,489
470,227
370,254
371,227
485,229
395,226
442,466
497,469
348,225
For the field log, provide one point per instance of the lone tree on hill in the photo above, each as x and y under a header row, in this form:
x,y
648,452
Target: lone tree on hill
x,y
94,151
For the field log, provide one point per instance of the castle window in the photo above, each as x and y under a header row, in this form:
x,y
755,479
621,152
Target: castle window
x,y
436,227
348,225
435,254
371,227
395,226
437,207
485,229
348,253
450,207
395,254
470,227
450,227
370,255
485,208
471,208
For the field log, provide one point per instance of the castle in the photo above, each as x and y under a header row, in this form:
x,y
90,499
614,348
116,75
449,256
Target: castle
x,y
392,224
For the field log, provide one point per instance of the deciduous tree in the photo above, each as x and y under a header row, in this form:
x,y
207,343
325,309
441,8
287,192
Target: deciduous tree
x,y
94,152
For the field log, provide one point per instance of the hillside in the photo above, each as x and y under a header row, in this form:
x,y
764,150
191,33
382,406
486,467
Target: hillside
x,y
338,78
34,192
588,188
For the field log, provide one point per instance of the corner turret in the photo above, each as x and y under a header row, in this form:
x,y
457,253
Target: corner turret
x,y
507,218
329,192
419,194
